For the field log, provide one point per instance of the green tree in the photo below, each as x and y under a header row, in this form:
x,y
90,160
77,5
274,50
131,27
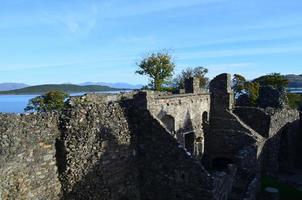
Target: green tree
x,y
295,101
276,80
247,89
158,66
198,72
50,101
252,90
238,84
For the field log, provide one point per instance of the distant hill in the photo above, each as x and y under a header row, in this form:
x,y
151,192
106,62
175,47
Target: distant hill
x,y
69,88
115,85
295,81
12,86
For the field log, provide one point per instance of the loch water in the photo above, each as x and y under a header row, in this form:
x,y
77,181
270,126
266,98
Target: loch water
x,y
17,103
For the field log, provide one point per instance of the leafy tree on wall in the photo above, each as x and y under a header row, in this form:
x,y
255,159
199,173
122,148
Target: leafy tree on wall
x,y
50,101
198,72
158,66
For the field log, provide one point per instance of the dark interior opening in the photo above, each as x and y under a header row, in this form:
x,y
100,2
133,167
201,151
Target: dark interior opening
x,y
168,122
189,142
204,118
221,163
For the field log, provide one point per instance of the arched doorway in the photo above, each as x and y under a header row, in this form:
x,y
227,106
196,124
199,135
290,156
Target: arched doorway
x,y
205,118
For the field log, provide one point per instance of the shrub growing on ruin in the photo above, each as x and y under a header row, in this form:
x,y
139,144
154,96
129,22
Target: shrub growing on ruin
x,y
158,66
50,101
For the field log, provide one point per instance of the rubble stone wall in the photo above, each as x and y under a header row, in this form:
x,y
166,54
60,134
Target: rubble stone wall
x,y
256,118
97,151
28,167
280,147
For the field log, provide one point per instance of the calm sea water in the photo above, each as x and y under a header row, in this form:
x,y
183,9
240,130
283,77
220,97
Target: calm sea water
x,y
295,90
17,103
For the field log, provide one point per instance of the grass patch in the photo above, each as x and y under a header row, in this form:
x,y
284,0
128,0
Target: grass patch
x,y
295,100
286,192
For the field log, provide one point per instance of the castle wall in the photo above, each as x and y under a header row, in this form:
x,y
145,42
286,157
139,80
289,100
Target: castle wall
x,y
280,129
171,172
281,118
228,134
131,146
116,150
231,141
101,148
256,118
27,157
280,147
188,113
98,157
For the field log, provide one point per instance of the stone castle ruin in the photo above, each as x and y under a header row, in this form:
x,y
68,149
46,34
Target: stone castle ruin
x,y
148,146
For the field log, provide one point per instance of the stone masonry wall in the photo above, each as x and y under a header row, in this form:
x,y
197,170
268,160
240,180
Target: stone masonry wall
x,y
186,113
280,129
27,157
228,134
122,147
93,150
98,151
280,146
166,170
280,118
230,140
256,118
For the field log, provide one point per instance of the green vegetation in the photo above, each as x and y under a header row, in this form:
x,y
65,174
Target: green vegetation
x,y
238,84
68,88
295,101
286,192
198,72
248,91
245,89
50,101
159,67
252,89
274,79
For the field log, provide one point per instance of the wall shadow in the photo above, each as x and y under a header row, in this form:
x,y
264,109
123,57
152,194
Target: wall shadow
x,y
96,159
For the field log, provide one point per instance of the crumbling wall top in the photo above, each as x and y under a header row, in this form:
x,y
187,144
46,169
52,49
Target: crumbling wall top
x,y
221,84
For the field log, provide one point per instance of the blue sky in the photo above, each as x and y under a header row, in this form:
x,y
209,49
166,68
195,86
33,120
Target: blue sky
x,y
56,41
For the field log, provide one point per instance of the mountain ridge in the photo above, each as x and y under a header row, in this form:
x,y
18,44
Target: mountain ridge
x,y
114,85
12,86
295,81
68,88
119,85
